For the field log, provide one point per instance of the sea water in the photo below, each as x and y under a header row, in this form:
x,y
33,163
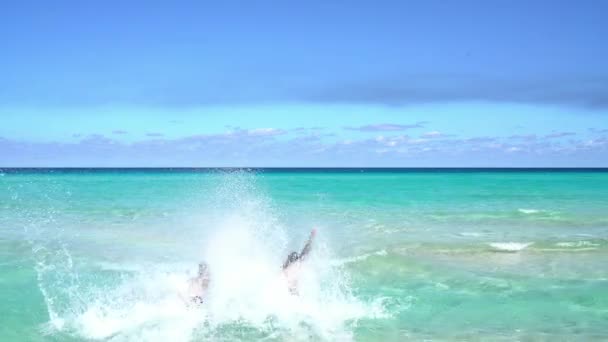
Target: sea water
x,y
399,255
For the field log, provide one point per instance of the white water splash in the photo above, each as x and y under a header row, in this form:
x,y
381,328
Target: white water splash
x,y
245,245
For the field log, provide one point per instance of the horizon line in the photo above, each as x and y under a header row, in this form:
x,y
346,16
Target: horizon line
x,y
287,168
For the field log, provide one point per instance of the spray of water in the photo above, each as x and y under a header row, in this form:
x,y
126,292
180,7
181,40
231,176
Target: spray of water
x,y
242,238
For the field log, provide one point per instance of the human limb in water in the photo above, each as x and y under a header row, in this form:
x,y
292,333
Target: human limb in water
x,y
197,286
295,257
308,244
291,267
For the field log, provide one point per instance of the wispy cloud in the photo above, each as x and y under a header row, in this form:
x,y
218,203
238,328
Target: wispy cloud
x,y
596,130
119,132
405,89
559,135
523,137
302,129
434,134
155,134
386,127
266,132
476,140
590,92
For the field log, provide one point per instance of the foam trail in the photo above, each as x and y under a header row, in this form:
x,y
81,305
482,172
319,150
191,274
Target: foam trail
x,y
577,244
362,257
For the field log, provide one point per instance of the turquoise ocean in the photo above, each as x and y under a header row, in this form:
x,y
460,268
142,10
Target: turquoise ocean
x,y
434,255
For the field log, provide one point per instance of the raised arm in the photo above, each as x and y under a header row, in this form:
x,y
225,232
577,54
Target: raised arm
x,y
308,244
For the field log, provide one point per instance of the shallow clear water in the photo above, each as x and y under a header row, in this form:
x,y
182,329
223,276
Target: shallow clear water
x,y
436,255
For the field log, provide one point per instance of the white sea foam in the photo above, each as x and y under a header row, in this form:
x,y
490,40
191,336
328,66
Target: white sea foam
x,y
510,246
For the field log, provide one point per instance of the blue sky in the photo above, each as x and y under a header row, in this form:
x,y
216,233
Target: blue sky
x,y
316,83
